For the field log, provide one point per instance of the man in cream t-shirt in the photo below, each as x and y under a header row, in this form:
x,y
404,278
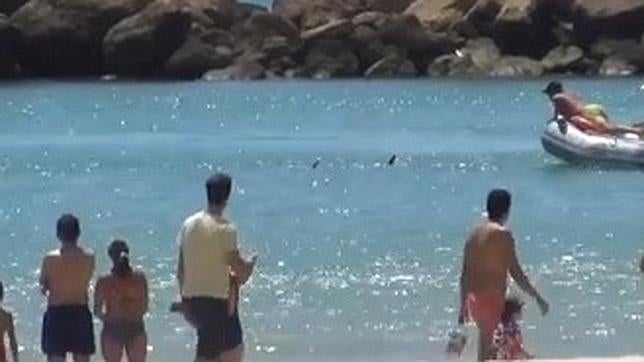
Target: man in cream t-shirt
x,y
208,257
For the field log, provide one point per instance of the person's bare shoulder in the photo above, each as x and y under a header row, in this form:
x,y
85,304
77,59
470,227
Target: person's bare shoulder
x,y
88,252
55,253
6,318
139,275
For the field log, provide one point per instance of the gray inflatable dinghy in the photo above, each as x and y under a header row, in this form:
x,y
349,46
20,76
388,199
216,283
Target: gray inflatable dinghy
x,y
564,141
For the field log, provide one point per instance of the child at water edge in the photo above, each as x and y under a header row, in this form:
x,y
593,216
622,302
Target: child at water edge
x,y
508,341
7,328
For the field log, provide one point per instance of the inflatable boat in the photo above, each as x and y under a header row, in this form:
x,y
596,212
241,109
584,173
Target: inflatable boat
x,y
563,140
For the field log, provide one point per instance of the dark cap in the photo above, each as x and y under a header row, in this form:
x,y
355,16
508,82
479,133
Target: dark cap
x,y
553,87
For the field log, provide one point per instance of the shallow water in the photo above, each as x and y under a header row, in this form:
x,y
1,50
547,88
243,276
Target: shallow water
x,y
359,260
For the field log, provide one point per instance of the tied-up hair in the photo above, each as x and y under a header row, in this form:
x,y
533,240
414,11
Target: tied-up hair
x,y
119,252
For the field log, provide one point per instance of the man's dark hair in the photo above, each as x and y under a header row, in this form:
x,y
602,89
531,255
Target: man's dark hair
x,y
498,203
512,305
554,87
218,188
68,228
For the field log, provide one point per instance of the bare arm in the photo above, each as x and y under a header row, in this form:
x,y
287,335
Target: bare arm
x,y
13,341
99,299
243,269
44,285
145,303
463,283
516,271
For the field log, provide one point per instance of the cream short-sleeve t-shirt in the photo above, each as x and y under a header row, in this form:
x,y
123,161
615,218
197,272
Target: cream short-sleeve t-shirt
x,y
205,241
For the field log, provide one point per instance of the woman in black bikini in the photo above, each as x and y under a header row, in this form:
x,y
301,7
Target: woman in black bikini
x,y
121,301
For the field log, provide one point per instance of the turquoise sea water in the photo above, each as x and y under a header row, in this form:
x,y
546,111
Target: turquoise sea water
x,y
359,260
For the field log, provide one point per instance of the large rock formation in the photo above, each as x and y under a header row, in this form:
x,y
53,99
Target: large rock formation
x,y
440,15
8,47
562,59
331,58
313,13
196,56
141,44
321,38
615,18
392,65
239,71
9,6
63,37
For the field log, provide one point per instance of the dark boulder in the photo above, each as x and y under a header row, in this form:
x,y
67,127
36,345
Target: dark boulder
x,y
243,70
63,37
9,6
243,11
630,51
140,45
516,66
331,58
517,26
195,57
339,28
616,67
392,65
478,57
562,59
266,24
8,49
308,14
616,18
387,6
440,15
407,32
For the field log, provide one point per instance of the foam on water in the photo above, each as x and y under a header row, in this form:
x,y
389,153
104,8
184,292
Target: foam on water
x,y
359,259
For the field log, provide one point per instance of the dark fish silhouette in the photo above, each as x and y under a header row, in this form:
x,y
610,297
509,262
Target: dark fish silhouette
x,y
392,160
316,164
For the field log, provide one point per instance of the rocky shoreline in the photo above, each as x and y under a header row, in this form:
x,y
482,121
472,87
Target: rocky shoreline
x,y
320,39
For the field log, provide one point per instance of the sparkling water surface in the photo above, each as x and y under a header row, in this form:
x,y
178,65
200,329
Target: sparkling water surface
x,y
359,260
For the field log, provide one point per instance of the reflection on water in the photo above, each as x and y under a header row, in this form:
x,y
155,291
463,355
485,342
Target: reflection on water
x,y
359,258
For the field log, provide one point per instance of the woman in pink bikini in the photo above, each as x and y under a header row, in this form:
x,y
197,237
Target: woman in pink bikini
x,y
121,301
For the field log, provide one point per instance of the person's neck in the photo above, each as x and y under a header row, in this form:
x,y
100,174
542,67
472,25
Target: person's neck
x,y
500,222
68,246
216,210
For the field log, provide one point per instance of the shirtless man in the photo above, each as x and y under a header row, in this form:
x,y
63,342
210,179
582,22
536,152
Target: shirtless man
x,y
7,328
121,301
64,279
589,118
489,256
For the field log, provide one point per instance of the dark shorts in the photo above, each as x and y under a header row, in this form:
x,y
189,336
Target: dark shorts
x,y
217,332
68,329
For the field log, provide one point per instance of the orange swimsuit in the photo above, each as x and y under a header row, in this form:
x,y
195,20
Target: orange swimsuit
x,y
486,309
3,353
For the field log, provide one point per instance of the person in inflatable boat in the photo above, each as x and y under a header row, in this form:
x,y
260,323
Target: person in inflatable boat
x,y
589,118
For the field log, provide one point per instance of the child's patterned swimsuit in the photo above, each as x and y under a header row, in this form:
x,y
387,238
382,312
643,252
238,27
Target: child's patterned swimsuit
x,y
508,342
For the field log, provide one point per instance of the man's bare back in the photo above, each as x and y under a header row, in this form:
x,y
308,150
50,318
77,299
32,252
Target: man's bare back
x,y
65,276
488,255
